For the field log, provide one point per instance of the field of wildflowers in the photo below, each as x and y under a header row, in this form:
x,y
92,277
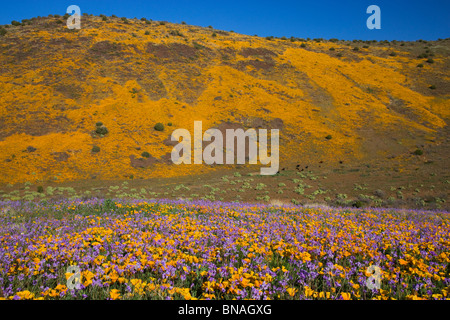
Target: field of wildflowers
x,y
160,249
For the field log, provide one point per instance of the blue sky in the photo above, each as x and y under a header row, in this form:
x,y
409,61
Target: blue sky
x,y
342,19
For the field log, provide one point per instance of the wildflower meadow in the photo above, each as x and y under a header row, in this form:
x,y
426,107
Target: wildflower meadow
x,y
176,250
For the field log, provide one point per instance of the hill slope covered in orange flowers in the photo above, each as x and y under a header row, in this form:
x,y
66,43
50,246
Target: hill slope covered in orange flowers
x,y
375,101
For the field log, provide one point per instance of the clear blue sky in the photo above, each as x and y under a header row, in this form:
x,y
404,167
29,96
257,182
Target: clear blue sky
x,y
342,19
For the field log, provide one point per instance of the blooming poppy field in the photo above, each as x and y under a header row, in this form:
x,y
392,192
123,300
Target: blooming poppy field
x,y
161,249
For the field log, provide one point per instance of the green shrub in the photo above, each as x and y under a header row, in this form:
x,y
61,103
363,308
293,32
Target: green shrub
x,y
432,87
355,49
392,54
303,45
40,189
357,204
162,23
214,35
328,137
430,60
159,127
169,124
145,154
420,65
16,23
95,149
104,18
99,124
147,33
332,49
3,32
418,152
101,130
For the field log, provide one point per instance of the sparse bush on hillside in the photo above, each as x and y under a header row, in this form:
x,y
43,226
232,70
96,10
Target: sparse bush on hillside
x,y
124,20
95,149
66,16
16,23
147,33
214,35
355,49
332,49
418,152
145,154
392,54
40,189
162,23
101,130
3,31
159,127
104,18
430,60
176,33
182,22
99,124
303,45
420,65
379,193
328,137
432,87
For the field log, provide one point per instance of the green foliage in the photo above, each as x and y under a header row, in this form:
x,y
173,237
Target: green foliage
x,y
101,130
429,60
328,137
159,127
16,23
418,152
40,189
95,149
145,154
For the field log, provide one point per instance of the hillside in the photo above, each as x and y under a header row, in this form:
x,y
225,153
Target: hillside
x,y
378,102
